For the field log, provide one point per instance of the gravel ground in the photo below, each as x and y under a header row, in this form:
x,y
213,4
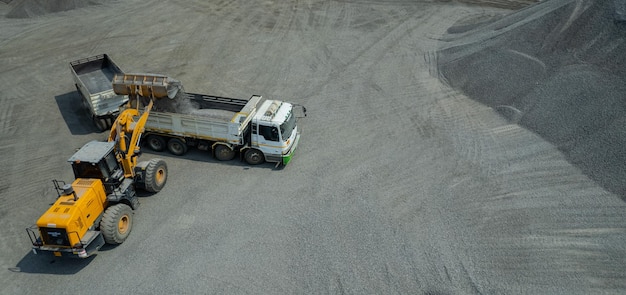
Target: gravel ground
x,y
405,181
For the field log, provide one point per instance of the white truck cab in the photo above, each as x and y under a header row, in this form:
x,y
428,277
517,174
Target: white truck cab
x,y
274,132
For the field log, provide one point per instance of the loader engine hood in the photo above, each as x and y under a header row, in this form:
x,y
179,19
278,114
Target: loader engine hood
x,y
67,220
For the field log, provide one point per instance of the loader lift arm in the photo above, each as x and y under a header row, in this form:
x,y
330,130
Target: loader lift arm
x,y
126,132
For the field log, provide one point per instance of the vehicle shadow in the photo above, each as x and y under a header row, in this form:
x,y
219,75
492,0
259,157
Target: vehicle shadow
x,y
74,114
204,156
48,264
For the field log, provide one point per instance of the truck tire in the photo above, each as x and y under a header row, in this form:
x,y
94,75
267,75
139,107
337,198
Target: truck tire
x,y
156,175
156,143
176,147
254,157
224,153
116,223
101,124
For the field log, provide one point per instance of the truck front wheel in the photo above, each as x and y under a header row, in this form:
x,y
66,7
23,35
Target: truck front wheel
x,y
116,224
254,157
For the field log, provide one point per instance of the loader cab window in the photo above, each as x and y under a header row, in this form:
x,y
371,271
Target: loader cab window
x,y
87,170
111,164
269,132
104,169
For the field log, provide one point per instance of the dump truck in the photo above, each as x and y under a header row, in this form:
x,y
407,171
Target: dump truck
x,y
92,78
256,129
97,207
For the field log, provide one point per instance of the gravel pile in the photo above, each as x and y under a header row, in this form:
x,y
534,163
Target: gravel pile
x,y
181,104
556,68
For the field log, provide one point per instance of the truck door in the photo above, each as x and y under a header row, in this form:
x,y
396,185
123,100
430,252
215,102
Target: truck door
x,y
267,139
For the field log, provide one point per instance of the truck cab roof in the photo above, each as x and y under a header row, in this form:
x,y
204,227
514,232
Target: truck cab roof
x,y
273,111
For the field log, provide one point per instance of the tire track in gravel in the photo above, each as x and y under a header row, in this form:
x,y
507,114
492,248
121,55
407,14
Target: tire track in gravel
x,y
28,26
431,272
189,41
98,43
274,24
444,109
220,7
531,194
7,128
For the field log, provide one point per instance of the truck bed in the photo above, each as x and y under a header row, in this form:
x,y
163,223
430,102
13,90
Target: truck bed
x,y
216,102
96,73
98,80
201,104
210,118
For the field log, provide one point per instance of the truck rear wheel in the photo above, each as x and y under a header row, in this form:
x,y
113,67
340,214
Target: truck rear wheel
x,y
156,175
224,153
101,124
156,143
176,147
116,224
254,157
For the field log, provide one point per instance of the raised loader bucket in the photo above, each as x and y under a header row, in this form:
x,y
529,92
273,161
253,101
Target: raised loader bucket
x,y
146,85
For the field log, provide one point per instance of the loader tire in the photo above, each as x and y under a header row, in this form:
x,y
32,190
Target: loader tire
x,y
156,175
116,223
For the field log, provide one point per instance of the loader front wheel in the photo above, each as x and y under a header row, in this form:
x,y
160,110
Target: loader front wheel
x,y
156,175
116,223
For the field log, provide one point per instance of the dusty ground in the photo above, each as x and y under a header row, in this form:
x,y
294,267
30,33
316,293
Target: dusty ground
x,y
401,183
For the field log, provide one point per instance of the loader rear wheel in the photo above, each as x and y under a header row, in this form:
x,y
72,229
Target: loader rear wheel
x,y
224,153
254,157
176,147
156,175
116,224
156,143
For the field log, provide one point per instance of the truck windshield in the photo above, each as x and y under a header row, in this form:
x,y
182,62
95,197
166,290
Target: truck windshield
x,y
287,127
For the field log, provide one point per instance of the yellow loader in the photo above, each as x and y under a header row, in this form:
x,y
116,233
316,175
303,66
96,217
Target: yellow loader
x,y
97,207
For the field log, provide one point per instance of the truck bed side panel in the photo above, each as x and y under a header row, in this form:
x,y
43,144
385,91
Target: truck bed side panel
x,y
191,126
